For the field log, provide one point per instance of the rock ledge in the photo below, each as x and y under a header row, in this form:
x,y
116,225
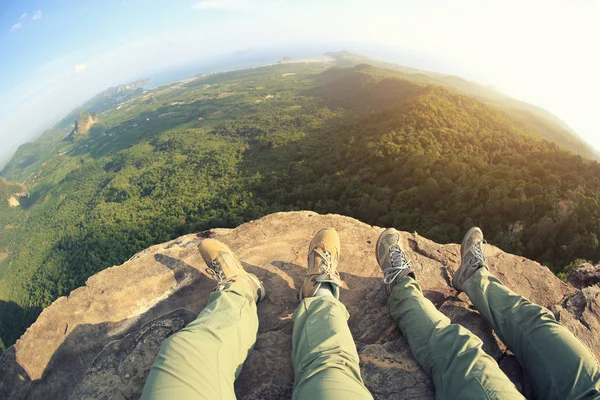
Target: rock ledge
x,y
101,340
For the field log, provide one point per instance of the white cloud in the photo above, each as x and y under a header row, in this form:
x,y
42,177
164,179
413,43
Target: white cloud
x,y
23,15
79,68
16,26
217,4
37,15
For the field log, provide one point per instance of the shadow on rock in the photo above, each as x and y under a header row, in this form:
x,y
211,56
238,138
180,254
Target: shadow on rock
x,y
111,359
14,320
182,271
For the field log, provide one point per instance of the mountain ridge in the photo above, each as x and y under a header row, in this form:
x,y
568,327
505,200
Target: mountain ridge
x,y
533,117
35,153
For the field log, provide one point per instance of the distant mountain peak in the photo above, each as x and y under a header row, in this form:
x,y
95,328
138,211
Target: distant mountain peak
x,y
84,122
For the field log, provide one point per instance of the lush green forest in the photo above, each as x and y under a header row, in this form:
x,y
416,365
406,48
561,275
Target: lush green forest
x,y
377,144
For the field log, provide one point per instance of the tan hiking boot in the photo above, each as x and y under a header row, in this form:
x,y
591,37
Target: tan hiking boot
x,y
393,259
472,253
323,258
224,267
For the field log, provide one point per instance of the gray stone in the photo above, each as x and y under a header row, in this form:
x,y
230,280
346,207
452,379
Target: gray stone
x,y
584,275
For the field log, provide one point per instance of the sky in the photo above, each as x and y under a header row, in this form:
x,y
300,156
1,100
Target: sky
x,y
56,54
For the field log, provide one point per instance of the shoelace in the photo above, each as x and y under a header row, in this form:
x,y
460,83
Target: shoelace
x,y
325,267
216,272
478,251
400,261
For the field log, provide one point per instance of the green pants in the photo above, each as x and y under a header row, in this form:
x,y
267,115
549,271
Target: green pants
x,y
203,360
559,365
326,364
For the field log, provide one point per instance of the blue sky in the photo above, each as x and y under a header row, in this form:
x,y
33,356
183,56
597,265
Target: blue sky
x,y
55,54
41,40
34,33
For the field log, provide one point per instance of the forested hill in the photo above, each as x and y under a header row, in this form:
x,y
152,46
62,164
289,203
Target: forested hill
x,y
534,118
226,148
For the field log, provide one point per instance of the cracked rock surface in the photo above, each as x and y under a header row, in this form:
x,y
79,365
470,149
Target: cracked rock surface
x,y
100,342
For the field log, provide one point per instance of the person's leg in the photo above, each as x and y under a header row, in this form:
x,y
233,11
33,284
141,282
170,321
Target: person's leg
x,y
203,360
324,356
558,364
449,353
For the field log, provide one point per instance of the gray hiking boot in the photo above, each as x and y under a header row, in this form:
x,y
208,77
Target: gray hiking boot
x,y
392,258
472,253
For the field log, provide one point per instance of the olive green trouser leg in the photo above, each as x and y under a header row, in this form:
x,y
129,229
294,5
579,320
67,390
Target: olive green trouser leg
x,y
203,360
324,355
449,353
559,365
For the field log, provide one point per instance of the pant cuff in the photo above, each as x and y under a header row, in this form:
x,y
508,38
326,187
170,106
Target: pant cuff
x,y
239,289
330,301
476,280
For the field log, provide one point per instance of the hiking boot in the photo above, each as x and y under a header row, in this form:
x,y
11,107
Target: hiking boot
x,y
472,253
224,267
323,258
392,258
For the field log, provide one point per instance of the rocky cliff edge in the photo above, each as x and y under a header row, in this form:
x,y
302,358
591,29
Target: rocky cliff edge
x,y
100,342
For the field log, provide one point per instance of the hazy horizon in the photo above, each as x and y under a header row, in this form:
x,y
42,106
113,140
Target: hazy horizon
x,y
251,58
57,56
